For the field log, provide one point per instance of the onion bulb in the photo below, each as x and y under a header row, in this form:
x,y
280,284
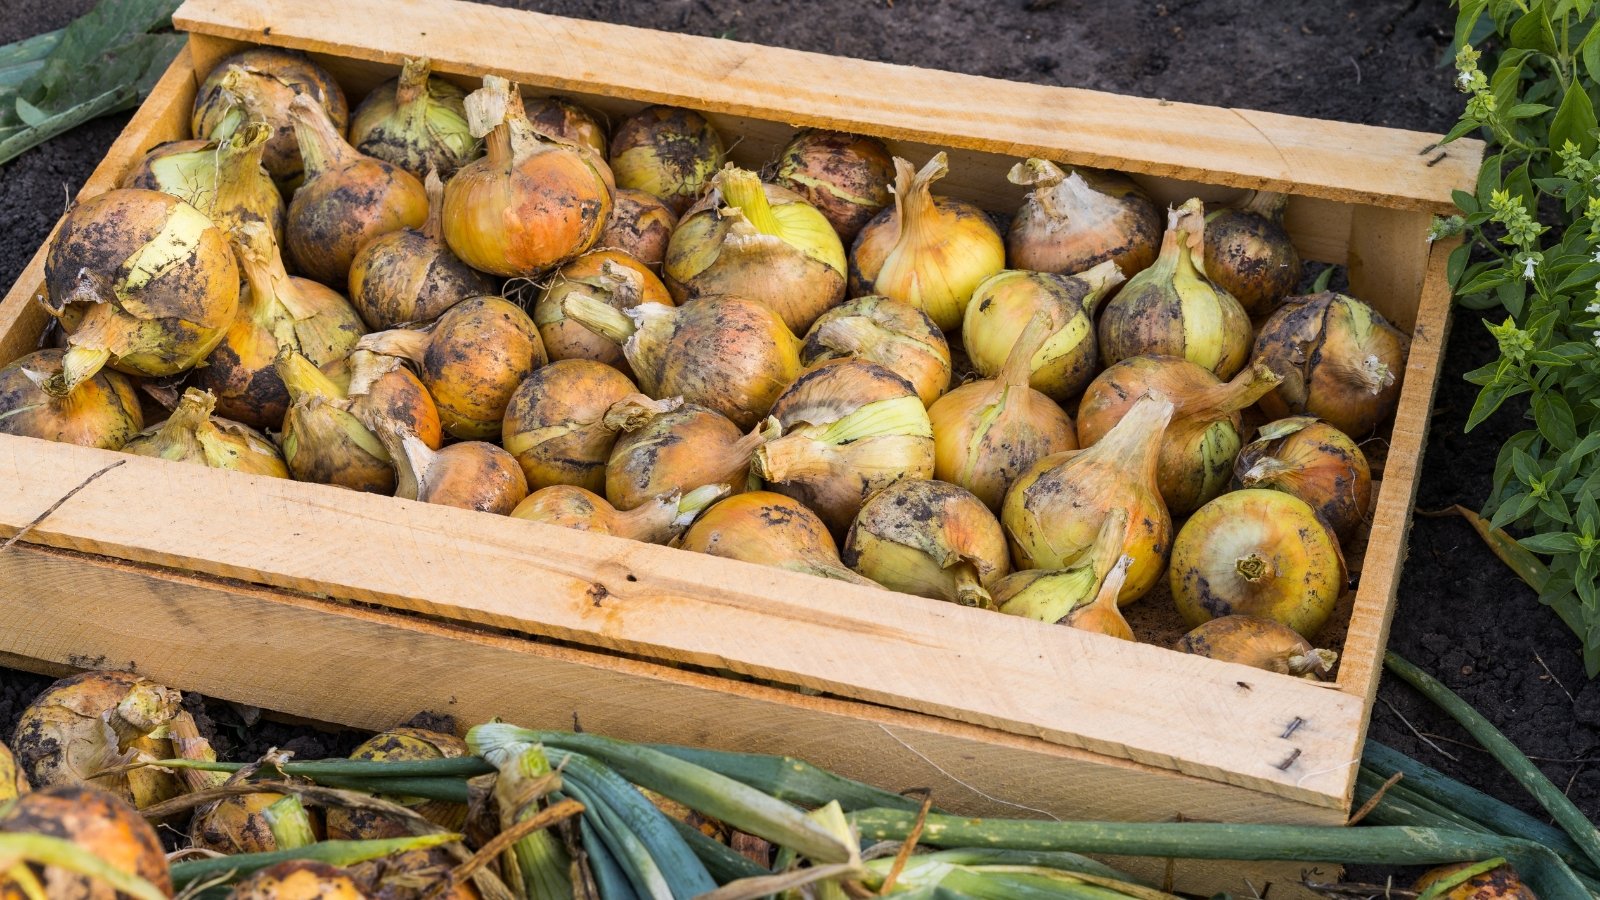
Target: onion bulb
x,y
1313,461
399,744
610,276
13,783
532,203
746,239
192,435
1103,614
1075,220
1257,553
562,421
929,538
1172,309
298,879
1248,253
657,521
276,310
409,276
1500,883
845,176
667,152
564,120
1205,434
895,335
1339,359
467,475
348,198
241,824
769,530
380,388
850,429
1054,511
259,84
416,122
1262,643
102,411
987,433
222,179
931,252
103,828
471,359
640,226
680,450
732,356
1050,595
1002,306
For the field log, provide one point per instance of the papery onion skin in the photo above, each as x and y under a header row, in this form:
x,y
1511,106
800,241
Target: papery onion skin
x,y
610,276
565,120
1262,643
895,335
192,435
323,440
1340,361
769,529
234,825
101,412
1313,461
1051,595
1074,220
401,743
931,539
1500,883
277,76
845,176
555,423
409,276
658,521
417,122
380,387
1248,253
298,879
412,874
97,822
468,475
667,152
1001,307
224,180
640,226
682,449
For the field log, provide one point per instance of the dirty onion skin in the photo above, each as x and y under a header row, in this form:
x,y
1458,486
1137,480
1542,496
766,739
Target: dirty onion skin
x,y
681,449
416,122
895,335
1076,219
1050,595
259,84
640,226
610,276
140,281
298,879
563,420
222,179
657,521
1002,306
467,475
769,530
192,435
564,120
845,176
931,539
1248,253
13,783
402,743
237,824
1257,553
1499,883
667,152
1258,642
1339,359
102,411
1313,461
98,823
409,276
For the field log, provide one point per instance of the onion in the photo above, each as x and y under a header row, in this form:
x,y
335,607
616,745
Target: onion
x,y
471,360
732,356
895,335
409,276
1171,308
140,280
1054,511
845,176
769,530
1002,306
468,475
1500,883
987,433
757,241
682,449
1262,643
562,421
1050,595
102,411
237,824
298,879
850,429
1206,430
416,122
1074,221
1339,359
640,226
566,121
931,539
380,389
659,520
1248,253
609,276
1313,461
192,435
667,152
1102,615
13,783
1257,553
532,203
931,252
222,179
102,826
258,84
399,744
422,874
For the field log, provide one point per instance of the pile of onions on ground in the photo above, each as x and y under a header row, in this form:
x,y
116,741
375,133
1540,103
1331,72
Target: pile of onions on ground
x,y
485,301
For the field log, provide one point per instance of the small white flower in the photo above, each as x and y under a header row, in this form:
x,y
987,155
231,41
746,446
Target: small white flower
x,y
1464,78
1597,256
1529,263
1593,308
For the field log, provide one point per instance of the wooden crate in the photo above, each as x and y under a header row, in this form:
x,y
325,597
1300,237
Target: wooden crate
x,y
361,610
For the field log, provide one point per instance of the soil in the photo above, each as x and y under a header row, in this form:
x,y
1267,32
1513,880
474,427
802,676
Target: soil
x,y
1462,615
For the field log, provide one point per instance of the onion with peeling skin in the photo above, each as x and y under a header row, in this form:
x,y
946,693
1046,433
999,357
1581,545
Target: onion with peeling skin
x,y
1258,642
769,530
258,84
1050,595
1313,461
895,335
192,435
1002,306
1339,359
610,276
845,176
564,419
640,226
1076,219
657,521
222,179
417,122
929,538
682,449
409,276
565,120
101,412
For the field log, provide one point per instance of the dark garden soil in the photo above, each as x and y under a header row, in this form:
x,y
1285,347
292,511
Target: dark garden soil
x,y
1462,615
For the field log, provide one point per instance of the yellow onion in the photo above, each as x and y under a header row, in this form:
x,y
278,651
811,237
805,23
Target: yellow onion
x,y
1500,883
192,435
409,276
402,743
276,310
102,411
13,783
845,176
929,538
416,122
140,281
1054,511
468,475
422,874
640,226
102,825
562,421
850,429
532,203
1258,642
564,120
1260,553
769,530
1002,306
1248,253
732,356
348,198
1205,434
222,179
380,388
682,449
1051,595
657,521
243,823
667,152
746,239
610,276
931,252
1339,359
1313,461
1103,614
298,879
1075,220
471,358
1171,309
987,433
895,335
258,84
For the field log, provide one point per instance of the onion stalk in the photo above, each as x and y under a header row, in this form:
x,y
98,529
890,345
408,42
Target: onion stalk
x,y
610,276
258,84
417,122
223,179
680,449
656,521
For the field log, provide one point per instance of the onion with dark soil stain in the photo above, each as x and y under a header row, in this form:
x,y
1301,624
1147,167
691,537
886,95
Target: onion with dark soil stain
x,y
97,822
667,152
895,335
1075,219
467,475
564,419
298,879
259,83
394,745
1248,253
609,276
681,449
222,179
640,226
417,122
1340,361
929,538
409,276
102,411
1002,306
1258,642
1313,461
845,176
